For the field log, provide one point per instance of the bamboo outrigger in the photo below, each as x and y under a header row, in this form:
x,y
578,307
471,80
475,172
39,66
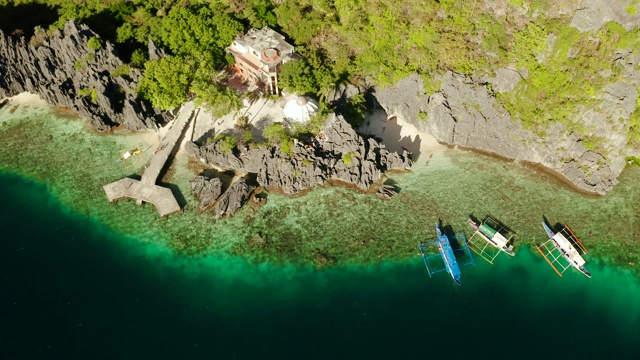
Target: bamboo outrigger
x,y
446,252
491,232
563,245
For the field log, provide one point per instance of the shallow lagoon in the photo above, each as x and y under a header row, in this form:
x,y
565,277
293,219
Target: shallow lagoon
x,y
87,279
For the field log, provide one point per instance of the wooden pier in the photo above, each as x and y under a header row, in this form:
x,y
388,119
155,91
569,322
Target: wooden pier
x,y
146,190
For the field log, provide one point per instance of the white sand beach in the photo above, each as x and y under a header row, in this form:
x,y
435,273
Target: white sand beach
x,y
26,98
397,134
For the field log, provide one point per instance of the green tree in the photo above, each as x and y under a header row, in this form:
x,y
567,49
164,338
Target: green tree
x,y
165,82
297,77
260,13
356,110
276,133
217,100
199,32
227,142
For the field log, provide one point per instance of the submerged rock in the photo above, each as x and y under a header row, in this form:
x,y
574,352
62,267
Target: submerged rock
x,y
338,153
386,192
64,71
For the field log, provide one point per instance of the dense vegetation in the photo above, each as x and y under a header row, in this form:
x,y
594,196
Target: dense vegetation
x,y
364,42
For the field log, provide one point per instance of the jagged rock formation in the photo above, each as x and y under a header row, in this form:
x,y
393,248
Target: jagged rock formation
x,y
465,112
207,190
386,192
336,153
233,199
64,71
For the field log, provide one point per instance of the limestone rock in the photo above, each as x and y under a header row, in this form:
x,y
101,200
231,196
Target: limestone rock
x,y
338,152
63,71
465,112
233,199
591,15
207,190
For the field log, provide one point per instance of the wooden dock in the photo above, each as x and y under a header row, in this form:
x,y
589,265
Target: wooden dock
x,y
146,190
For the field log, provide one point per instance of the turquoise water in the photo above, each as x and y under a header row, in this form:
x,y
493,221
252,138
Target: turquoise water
x,y
85,279
73,289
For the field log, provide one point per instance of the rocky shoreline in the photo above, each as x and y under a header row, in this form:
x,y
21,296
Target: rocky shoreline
x,y
337,153
64,71
465,112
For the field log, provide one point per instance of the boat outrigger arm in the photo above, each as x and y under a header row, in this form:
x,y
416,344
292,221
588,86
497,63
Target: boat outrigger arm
x,y
562,246
447,254
491,232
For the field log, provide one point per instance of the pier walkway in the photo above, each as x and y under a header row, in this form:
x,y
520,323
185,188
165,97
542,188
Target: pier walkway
x,y
146,190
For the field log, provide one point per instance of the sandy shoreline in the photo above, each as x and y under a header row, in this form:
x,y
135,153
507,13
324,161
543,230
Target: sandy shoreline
x,y
25,98
396,134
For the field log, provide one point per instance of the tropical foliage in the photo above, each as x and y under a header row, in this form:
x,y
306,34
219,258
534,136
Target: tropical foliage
x,y
363,42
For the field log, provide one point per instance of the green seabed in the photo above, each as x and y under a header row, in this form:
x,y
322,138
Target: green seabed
x,y
74,289
327,223
85,279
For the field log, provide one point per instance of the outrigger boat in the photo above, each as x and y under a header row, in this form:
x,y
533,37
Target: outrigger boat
x,y
563,245
131,153
446,253
491,232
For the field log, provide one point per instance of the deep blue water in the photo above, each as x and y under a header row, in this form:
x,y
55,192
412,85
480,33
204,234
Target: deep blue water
x,y
71,288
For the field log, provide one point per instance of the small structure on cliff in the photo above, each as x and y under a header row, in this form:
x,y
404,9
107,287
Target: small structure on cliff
x,y
258,56
300,109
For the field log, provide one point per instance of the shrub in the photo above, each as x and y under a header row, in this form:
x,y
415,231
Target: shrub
x,y
276,133
94,95
94,44
122,70
348,158
226,142
138,58
631,9
84,91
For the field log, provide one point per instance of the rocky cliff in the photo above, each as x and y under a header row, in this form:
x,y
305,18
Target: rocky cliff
x,y
65,71
336,153
466,110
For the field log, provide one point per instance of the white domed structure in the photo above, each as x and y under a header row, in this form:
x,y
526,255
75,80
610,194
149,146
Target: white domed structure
x,y
300,109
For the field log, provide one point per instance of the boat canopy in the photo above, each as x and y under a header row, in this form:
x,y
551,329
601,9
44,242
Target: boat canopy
x,y
568,248
485,229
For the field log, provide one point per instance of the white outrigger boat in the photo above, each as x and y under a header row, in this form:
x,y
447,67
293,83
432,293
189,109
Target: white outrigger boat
x,y
563,245
491,232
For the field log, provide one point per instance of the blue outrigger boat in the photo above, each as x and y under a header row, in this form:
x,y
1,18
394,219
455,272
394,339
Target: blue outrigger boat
x,y
447,254
565,245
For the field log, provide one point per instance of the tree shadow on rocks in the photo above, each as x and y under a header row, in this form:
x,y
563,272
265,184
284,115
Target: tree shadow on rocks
x,y
20,20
